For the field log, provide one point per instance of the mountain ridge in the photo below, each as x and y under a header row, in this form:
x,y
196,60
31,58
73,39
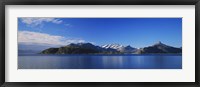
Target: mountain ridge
x,y
88,48
120,48
159,48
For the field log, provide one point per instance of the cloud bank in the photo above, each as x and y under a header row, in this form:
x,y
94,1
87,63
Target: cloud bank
x,y
27,37
34,21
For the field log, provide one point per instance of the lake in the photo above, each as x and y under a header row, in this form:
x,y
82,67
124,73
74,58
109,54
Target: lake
x,y
129,61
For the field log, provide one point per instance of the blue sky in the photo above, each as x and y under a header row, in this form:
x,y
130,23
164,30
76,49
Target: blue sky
x,y
137,32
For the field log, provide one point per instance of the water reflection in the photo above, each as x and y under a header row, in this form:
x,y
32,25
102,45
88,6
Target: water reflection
x,y
112,62
100,62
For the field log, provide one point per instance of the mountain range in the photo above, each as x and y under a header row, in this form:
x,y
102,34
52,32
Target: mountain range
x,y
159,48
120,48
88,48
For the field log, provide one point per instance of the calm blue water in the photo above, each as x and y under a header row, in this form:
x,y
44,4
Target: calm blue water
x,y
100,62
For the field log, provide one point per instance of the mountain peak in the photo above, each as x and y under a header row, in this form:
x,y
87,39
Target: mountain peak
x,y
114,46
159,43
160,48
80,44
88,48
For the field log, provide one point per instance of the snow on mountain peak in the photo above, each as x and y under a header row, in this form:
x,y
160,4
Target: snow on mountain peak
x,y
113,46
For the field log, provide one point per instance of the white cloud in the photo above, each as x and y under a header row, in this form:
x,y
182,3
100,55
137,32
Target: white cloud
x,y
34,21
27,37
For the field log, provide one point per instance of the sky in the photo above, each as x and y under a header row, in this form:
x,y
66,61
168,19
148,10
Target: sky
x,y
137,32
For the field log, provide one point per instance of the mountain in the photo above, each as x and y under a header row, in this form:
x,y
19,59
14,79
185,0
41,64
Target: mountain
x,y
88,48
80,48
159,48
128,49
120,48
112,46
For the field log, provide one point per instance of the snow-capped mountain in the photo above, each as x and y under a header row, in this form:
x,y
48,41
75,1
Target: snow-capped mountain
x,y
112,46
120,48
88,48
